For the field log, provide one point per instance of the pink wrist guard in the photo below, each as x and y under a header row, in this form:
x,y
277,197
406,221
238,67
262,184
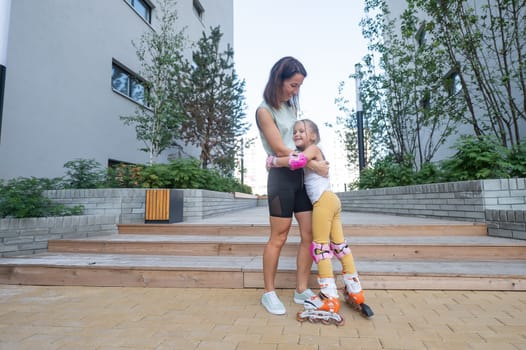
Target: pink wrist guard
x,y
297,161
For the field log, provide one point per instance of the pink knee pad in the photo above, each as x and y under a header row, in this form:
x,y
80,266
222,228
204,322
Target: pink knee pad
x,y
320,251
340,249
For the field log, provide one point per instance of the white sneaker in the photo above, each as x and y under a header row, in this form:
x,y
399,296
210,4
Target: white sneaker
x,y
272,303
299,298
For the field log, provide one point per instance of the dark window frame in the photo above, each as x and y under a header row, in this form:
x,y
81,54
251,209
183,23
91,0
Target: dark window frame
x,y
421,36
139,5
130,82
199,10
453,82
425,102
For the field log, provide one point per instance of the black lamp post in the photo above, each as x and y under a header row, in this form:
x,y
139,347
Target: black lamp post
x,y
359,117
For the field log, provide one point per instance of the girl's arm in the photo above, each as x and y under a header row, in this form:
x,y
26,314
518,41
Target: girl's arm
x,y
320,167
315,163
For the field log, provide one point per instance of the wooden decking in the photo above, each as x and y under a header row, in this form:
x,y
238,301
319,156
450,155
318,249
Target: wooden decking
x,y
449,256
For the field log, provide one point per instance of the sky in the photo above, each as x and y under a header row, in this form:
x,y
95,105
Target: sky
x,y
324,35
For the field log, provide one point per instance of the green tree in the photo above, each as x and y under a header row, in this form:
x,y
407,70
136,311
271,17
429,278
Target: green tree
x,y
160,52
213,99
486,41
407,110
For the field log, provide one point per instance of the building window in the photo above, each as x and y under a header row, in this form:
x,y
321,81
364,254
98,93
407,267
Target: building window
x,y
453,82
198,9
425,102
142,8
421,36
127,84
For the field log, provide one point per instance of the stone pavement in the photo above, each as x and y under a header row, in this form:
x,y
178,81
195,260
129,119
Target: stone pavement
x,y
76,318
41,318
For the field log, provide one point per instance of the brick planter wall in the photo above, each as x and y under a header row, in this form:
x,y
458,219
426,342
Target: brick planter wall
x,y
506,223
466,200
500,203
30,235
128,204
103,210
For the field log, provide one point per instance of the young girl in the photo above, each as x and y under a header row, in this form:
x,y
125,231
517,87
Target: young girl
x,y
328,238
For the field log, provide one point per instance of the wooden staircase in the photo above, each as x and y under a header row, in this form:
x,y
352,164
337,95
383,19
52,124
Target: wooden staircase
x,y
457,256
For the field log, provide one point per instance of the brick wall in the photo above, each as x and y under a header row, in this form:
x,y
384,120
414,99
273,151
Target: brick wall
x,y
129,204
126,204
500,203
200,204
506,223
30,235
103,210
466,200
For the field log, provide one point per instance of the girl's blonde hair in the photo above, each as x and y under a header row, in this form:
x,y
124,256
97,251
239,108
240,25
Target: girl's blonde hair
x,y
309,124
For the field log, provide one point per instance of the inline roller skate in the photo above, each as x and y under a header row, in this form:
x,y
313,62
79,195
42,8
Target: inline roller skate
x,y
353,295
324,307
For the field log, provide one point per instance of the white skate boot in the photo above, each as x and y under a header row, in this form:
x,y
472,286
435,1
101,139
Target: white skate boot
x,y
353,295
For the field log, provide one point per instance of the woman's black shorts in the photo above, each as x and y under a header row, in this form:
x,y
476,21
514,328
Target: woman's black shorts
x,y
286,192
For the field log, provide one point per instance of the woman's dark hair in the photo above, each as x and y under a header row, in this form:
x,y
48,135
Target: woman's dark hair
x,y
282,70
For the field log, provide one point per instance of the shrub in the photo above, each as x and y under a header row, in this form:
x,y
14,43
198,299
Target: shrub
x,y
477,158
123,176
517,160
181,173
22,197
84,173
428,174
387,173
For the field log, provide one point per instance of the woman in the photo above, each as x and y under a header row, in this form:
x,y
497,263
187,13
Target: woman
x,y
275,118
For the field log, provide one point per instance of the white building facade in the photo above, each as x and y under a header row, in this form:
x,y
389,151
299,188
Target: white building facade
x,y
59,103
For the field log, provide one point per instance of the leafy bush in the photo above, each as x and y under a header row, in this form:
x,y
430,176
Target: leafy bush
x,y
181,173
387,173
84,173
429,173
517,160
477,158
22,197
124,176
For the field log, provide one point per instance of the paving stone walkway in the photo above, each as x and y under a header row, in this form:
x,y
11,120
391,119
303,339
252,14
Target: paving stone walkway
x,y
42,318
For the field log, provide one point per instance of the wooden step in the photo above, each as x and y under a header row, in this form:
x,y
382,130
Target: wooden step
x,y
415,248
457,256
350,230
80,269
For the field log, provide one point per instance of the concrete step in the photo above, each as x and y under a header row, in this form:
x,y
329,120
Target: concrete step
x,y
81,269
376,247
350,230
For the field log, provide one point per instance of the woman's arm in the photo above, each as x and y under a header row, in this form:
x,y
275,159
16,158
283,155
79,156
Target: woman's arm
x,y
315,163
271,132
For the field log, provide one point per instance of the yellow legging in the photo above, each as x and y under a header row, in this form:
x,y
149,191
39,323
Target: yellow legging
x,y
326,228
